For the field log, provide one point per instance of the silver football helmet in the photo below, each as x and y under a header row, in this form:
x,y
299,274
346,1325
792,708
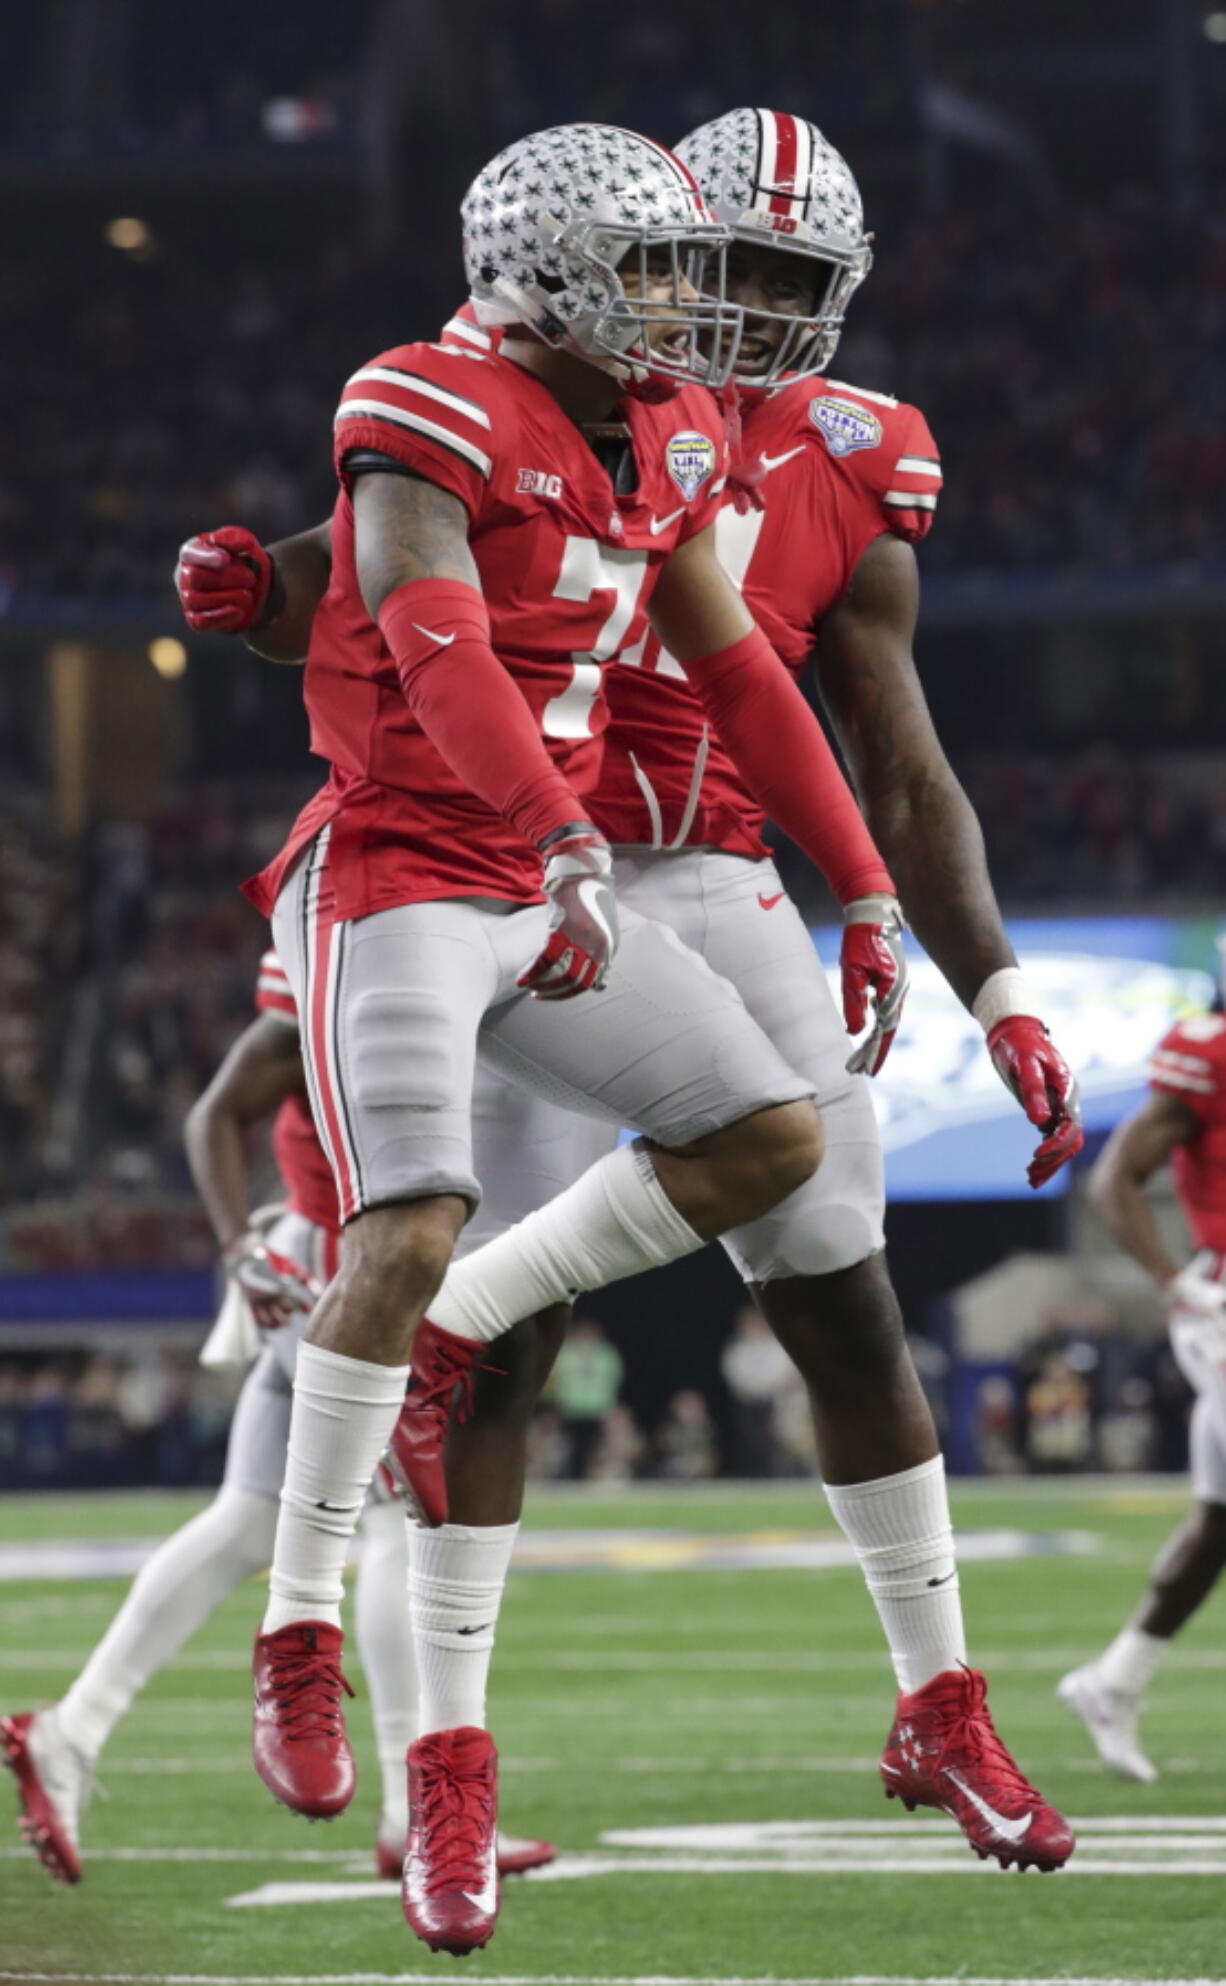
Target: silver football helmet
x,y
777,183
602,244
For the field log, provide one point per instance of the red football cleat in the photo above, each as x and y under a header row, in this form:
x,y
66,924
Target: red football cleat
x,y
518,1853
48,1823
450,1885
298,1739
441,1364
943,1752
515,1853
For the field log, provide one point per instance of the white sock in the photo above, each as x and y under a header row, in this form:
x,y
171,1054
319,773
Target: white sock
x,y
900,1529
385,1650
344,1412
1131,1660
456,1580
172,1594
614,1221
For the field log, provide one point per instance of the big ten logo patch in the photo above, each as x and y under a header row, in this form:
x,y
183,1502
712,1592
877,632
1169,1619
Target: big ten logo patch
x,y
537,482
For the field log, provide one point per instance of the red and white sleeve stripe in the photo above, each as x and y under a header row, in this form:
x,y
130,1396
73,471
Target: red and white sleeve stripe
x,y
273,993
1171,1069
399,408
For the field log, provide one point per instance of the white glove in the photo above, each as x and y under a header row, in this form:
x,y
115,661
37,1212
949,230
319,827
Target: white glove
x,y
278,1290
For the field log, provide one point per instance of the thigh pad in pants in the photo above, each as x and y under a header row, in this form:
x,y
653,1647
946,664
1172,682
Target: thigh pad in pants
x,y
736,912
668,1046
393,1002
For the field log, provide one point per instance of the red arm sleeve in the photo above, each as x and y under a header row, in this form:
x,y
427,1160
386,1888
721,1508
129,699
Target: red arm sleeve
x,y
438,631
783,755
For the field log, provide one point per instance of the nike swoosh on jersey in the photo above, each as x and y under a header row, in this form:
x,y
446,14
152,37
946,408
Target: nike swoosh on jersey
x,y
770,462
1008,1830
432,634
659,524
769,902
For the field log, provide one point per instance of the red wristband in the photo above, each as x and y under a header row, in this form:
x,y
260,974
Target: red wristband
x,y
786,761
470,707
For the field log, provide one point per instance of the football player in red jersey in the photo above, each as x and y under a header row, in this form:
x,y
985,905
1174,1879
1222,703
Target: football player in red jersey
x,y
507,522
1183,1121
848,480
276,1267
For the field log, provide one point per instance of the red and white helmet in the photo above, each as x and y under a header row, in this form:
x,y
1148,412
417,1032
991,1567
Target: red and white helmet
x,y
554,223
774,180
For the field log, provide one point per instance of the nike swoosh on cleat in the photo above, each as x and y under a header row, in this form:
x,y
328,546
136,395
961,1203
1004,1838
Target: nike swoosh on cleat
x,y
769,902
895,1769
432,634
770,462
659,524
1008,1830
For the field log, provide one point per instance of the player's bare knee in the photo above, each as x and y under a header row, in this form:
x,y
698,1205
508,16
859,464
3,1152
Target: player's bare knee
x,y
394,1257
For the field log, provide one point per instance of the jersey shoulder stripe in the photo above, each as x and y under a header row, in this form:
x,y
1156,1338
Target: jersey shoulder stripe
x,y
862,393
401,417
414,383
464,332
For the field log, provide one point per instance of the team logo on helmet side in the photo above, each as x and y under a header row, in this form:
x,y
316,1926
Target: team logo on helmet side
x,y
843,425
690,459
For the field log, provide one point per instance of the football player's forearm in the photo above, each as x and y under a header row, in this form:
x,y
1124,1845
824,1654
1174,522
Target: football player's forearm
x,y
930,838
213,1139
1119,1198
303,570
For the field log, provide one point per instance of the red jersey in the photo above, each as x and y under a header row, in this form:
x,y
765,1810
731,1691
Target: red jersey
x,y
567,567
1190,1063
305,1172
839,467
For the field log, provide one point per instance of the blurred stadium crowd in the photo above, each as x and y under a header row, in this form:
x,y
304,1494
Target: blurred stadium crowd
x,y
1070,371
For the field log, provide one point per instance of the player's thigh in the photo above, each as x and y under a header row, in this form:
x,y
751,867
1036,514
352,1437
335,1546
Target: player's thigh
x,y
391,1006
756,938
1207,1449
259,1431
526,1150
668,1046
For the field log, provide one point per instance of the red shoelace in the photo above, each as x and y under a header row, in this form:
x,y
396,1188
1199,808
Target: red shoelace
x,y
966,1731
455,1821
432,1387
308,1689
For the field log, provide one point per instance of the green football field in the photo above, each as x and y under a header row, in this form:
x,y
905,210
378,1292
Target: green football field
x,y
690,1702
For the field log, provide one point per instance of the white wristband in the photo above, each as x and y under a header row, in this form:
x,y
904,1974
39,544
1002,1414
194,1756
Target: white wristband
x,y
1002,994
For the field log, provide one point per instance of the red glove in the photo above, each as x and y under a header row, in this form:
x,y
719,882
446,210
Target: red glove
x,y
224,580
1029,1063
872,960
583,928
278,1289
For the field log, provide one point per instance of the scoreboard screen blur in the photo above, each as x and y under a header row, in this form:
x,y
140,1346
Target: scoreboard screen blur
x,y
1108,988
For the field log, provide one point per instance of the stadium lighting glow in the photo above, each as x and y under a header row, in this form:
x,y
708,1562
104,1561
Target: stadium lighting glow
x,y
168,656
128,233
1215,25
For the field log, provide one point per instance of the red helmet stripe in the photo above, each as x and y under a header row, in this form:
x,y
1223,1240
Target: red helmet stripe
x,y
787,147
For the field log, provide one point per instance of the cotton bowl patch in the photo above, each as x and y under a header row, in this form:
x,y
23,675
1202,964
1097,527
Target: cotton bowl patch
x,y
845,425
690,457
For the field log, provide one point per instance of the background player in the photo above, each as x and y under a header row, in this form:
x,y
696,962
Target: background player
x,y
1184,1121
278,1272
828,557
